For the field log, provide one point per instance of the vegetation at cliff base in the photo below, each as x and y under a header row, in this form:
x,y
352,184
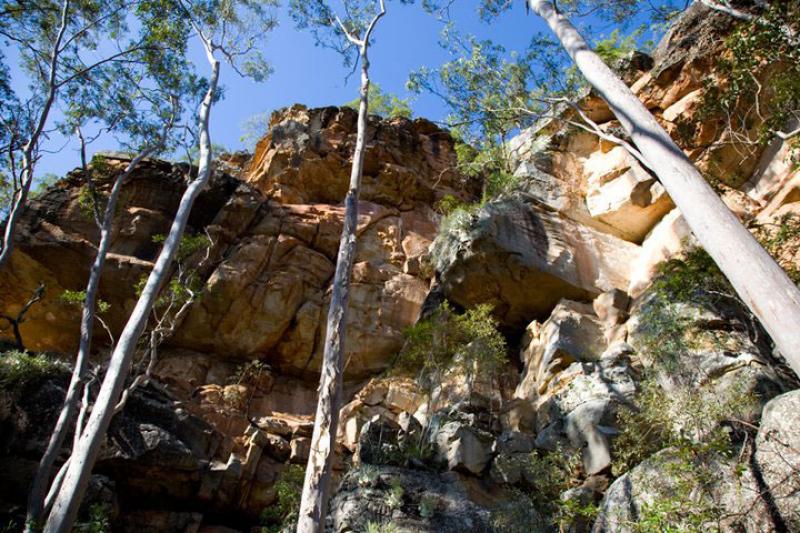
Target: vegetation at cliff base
x,y
464,345
281,516
18,370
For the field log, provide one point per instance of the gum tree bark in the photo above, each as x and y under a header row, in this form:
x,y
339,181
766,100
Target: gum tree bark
x,y
84,454
316,486
30,147
760,282
70,406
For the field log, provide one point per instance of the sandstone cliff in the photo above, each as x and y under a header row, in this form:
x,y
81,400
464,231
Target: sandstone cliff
x,y
567,259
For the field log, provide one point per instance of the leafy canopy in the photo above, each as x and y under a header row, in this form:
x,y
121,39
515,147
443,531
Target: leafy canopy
x,y
384,104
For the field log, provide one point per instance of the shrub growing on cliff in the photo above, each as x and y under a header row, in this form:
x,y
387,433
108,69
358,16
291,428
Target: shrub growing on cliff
x,y
282,515
757,86
695,428
17,370
448,343
782,241
696,421
669,329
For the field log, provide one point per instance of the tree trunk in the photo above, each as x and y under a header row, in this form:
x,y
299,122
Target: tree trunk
x,y
70,405
316,487
31,146
760,282
84,455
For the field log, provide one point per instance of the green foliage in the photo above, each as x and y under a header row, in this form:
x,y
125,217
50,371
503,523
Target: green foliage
x,y
497,183
468,344
450,204
573,511
549,474
617,47
428,505
78,299
193,155
189,245
394,498
282,515
86,202
491,92
185,285
88,196
782,241
758,80
667,333
692,425
367,475
694,419
377,527
18,370
99,520
384,104
319,18
43,183
254,129
248,372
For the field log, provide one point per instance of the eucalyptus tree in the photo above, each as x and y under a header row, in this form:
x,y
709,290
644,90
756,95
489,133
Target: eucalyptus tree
x,y
762,285
492,93
350,35
60,45
138,102
232,29
758,81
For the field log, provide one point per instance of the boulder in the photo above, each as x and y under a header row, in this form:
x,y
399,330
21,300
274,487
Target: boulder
x,y
632,203
668,239
463,447
571,333
523,259
429,502
777,457
577,405
666,490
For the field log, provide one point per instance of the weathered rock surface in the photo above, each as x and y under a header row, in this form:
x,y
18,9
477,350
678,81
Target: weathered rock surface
x,y
523,259
428,502
266,281
273,223
557,256
778,457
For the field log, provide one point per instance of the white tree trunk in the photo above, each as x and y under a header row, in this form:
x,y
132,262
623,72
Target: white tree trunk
x,y
70,405
760,282
316,487
32,145
84,455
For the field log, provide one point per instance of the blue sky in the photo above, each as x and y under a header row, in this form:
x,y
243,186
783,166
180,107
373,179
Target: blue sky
x,y
406,39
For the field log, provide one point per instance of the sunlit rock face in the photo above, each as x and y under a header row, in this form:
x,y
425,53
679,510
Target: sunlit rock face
x,y
524,258
566,258
274,234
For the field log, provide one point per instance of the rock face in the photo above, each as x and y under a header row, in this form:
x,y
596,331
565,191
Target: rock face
x,y
567,257
273,253
778,457
238,359
523,258
428,502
